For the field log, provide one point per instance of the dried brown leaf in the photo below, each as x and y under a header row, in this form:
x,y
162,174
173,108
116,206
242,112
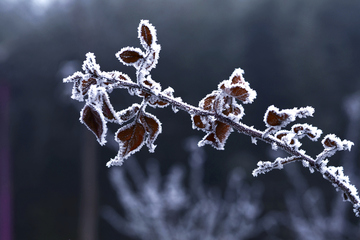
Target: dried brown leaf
x,y
130,56
128,113
86,84
131,138
198,122
107,109
238,78
153,127
94,121
276,119
218,136
146,35
222,132
238,92
329,143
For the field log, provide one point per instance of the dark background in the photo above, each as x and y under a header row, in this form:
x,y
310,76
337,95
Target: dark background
x,y
294,53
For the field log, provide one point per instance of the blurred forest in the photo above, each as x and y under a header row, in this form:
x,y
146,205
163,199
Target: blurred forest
x,y
294,53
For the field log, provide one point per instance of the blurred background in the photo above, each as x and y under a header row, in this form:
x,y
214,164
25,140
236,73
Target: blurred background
x,y
54,182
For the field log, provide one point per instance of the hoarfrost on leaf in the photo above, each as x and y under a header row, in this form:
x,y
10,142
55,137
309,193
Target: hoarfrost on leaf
x,y
154,86
131,138
147,34
217,136
218,114
302,130
129,112
131,56
280,118
289,138
152,58
237,87
229,108
153,128
90,66
108,110
332,142
203,123
92,117
169,91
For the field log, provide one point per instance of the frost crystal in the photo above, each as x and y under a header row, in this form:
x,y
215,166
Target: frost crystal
x,y
264,167
307,165
115,162
274,146
90,65
289,138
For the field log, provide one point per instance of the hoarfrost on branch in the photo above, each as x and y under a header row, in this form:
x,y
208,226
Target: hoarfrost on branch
x,y
218,115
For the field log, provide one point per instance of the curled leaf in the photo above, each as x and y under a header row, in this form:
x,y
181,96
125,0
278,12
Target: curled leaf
x,y
274,117
94,120
158,103
107,109
301,130
280,118
332,142
129,113
152,126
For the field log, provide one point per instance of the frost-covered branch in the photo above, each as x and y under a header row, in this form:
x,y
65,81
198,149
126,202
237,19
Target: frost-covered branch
x,y
218,114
